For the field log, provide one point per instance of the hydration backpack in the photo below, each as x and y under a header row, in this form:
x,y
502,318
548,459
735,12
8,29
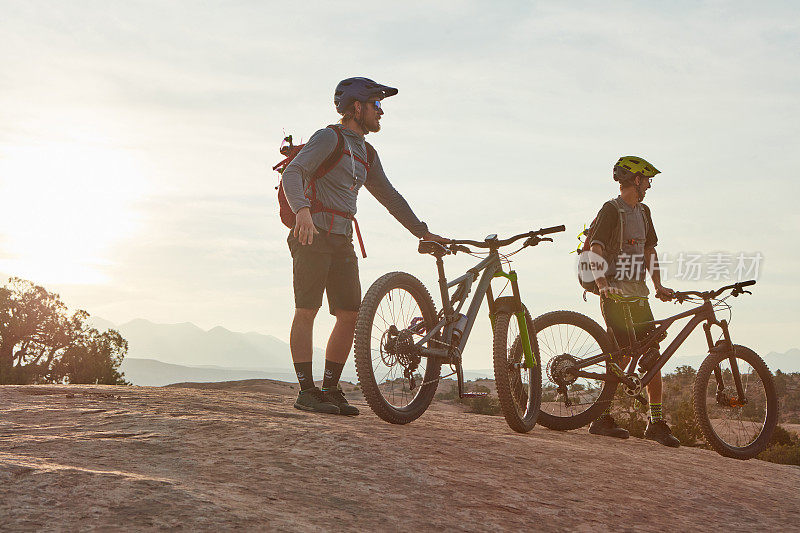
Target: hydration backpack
x,y
610,251
290,151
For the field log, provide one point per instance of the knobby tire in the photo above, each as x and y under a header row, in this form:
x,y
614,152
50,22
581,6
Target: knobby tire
x,y
520,406
367,347
556,414
705,380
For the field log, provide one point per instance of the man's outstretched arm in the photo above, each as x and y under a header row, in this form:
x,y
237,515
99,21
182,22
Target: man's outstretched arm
x,y
379,186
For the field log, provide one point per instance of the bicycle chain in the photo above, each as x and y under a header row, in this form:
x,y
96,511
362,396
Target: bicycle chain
x,y
438,379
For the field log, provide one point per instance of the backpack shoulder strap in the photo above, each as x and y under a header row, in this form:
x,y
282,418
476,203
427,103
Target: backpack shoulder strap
x,y
648,220
621,224
371,153
334,157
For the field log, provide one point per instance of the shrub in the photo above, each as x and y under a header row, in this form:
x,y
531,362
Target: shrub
x,y
483,405
782,454
784,448
684,425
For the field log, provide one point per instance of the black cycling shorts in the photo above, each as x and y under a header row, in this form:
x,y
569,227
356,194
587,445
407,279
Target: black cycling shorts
x,y
329,264
614,315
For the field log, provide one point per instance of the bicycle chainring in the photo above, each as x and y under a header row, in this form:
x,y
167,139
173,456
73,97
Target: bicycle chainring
x,y
636,389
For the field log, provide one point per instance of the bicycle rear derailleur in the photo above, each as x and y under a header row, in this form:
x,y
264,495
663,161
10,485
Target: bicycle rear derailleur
x,y
397,347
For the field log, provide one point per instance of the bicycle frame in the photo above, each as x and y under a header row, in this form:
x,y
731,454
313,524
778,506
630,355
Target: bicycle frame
x,y
703,313
452,305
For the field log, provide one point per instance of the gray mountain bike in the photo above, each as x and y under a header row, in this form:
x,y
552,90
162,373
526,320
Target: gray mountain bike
x,y
401,342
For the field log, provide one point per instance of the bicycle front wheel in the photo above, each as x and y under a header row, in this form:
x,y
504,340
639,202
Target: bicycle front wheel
x,y
738,427
519,389
396,312
565,338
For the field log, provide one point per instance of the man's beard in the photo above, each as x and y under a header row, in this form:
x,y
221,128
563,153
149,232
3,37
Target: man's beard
x,y
375,126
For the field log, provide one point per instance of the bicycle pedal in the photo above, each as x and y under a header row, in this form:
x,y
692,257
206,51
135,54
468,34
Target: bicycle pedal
x,y
474,394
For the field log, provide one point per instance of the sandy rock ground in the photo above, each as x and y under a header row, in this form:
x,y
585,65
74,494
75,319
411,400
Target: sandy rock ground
x,y
139,458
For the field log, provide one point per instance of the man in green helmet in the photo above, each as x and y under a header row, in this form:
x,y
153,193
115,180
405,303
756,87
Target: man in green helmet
x,y
627,260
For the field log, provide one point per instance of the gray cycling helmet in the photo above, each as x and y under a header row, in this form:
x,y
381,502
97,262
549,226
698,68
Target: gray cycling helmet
x,y
359,90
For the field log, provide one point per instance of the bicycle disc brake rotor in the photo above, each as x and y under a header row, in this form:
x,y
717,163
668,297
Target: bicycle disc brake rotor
x,y
398,347
561,370
731,402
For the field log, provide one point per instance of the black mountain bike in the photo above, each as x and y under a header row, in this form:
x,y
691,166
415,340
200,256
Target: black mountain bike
x,y
734,397
401,342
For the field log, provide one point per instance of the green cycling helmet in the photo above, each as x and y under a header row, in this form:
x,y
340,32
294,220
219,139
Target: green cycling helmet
x,y
636,165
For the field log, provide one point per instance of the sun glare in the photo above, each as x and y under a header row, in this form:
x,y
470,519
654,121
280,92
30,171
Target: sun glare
x,y
65,205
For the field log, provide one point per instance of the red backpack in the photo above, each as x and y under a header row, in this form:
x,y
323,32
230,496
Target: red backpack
x,y
289,150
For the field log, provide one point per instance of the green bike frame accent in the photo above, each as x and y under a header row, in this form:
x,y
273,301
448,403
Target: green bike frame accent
x,y
530,358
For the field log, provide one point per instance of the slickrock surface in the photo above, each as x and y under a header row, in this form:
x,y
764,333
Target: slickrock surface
x,y
139,458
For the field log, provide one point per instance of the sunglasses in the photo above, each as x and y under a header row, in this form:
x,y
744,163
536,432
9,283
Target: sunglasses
x,y
376,103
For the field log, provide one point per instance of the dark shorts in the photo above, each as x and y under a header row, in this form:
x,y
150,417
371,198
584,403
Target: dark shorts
x,y
614,315
329,264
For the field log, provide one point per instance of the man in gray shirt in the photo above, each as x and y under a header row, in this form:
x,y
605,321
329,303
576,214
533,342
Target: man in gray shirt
x,y
627,261
321,241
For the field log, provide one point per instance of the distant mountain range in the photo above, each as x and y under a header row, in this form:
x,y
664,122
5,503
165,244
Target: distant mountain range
x,y
189,345
150,372
160,354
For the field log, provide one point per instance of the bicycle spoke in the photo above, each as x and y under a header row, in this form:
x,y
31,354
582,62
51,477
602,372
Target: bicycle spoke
x,y
737,425
562,341
398,308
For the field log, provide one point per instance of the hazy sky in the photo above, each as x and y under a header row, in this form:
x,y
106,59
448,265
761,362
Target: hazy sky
x,y
136,140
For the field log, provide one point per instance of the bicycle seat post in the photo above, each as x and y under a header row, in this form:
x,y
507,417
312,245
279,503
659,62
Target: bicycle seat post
x,y
443,286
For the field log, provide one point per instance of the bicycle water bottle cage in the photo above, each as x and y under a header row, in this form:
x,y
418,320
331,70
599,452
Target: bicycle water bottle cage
x,y
433,248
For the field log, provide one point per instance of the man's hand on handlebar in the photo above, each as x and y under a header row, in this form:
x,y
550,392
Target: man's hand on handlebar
x,y
435,238
664,294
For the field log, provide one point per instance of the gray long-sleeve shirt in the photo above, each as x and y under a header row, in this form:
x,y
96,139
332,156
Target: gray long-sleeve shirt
x,y
338,189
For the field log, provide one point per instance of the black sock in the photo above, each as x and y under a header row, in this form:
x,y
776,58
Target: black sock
x,y
333,371
305,376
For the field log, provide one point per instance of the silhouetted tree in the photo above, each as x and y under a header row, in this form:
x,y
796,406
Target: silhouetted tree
x,y
41,342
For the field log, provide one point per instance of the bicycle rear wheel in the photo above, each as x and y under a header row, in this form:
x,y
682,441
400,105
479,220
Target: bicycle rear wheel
x,y
396,311
564,338
735,427
519,389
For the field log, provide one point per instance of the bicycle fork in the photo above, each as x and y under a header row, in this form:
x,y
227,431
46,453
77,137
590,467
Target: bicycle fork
x,y
529,357
726,345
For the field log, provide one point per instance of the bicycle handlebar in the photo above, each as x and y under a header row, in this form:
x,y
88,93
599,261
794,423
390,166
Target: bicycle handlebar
x,y
493,242
736,290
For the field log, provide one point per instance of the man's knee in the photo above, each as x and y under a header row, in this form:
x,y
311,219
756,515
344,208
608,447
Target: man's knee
x,y
305,315
347,318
